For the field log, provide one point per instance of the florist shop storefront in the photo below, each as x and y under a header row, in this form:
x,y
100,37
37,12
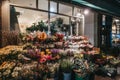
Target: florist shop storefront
x,y
52,40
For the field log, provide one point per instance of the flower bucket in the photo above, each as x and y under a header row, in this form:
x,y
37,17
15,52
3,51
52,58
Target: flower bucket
x,y
67,76
78,77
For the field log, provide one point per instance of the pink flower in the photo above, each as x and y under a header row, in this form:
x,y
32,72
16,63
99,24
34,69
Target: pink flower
x,y
42,60
48,57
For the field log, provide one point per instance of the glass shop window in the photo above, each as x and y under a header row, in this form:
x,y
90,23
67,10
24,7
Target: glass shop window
x,y
43,4
59,23
26,20
26,3
65,9
53,6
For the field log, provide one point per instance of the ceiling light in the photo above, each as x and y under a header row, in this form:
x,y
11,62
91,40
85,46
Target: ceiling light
x,y
117,20
86,11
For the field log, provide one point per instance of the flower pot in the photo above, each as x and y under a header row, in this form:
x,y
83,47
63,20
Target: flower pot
x,y
67,76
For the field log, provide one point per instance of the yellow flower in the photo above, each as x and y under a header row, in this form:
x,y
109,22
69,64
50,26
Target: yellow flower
x,y
47,50
81,55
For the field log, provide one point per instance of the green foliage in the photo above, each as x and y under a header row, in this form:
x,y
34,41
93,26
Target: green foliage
x,y
66,66
59,21
52,27
41,26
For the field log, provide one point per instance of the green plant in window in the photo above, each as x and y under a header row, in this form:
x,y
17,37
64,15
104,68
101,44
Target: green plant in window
x,y
52,27
59,22
32,28
41,26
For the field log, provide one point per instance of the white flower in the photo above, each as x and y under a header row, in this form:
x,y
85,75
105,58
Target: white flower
x,y
6,72
18,68
14,74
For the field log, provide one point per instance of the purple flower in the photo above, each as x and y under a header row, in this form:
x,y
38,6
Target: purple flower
x,y
30,51
55,51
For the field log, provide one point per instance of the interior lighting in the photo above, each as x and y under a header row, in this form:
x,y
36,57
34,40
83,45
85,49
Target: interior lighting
x,y
117,20
86,11
78,14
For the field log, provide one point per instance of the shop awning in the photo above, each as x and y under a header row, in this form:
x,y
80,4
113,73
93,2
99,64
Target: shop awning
x,y
109,6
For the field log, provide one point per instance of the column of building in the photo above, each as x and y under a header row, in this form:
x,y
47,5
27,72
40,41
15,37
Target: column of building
x,y
4,19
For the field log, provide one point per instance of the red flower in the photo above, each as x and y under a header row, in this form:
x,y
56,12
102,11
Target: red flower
x,y
60,36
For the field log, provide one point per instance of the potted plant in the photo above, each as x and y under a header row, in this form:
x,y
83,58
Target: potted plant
x,y
66,67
